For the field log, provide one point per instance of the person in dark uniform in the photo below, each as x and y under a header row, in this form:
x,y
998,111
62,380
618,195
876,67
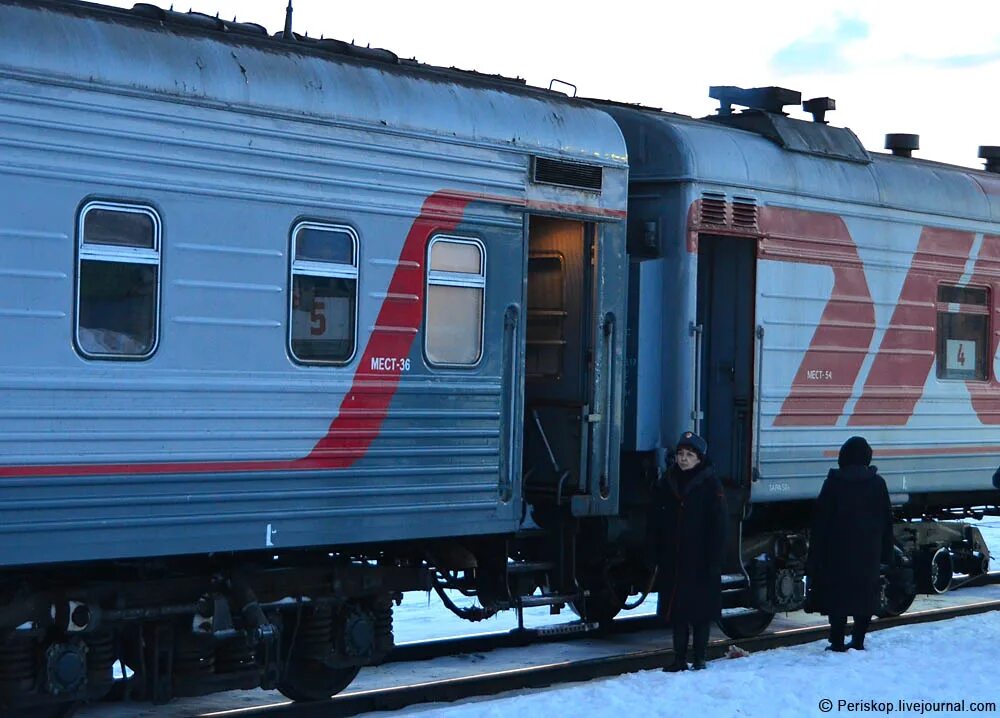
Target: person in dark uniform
x,y
688,524
851,537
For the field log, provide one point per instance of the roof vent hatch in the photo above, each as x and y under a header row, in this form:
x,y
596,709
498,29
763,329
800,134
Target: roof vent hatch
x,y
990,153
901,144
766,99
818,107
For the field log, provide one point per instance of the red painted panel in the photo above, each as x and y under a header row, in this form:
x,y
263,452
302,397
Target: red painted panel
x,y
824,380
986,395
694,212
365,406
906,356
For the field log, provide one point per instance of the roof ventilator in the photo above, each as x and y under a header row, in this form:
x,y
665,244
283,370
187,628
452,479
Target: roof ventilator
x,y
764,113
990,153
766,99
818,107
901,144
713,208
577,175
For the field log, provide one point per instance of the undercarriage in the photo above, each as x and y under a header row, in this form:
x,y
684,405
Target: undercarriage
x,y
303,624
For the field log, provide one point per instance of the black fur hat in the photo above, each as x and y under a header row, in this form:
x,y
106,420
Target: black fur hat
x,y
693,441
855,452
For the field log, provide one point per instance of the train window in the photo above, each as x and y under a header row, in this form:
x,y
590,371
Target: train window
x,y
962,332
118,281
324,297
456,286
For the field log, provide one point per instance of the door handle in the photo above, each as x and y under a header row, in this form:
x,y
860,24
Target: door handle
x,y
696,330
756,402
510,322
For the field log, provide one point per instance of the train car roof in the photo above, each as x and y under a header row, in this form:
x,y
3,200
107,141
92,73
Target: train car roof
x,y
799,158
203,60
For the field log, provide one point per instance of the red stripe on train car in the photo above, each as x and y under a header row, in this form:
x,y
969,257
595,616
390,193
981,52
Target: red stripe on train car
x,y
395,329
825,377
397,324
986,395
905,357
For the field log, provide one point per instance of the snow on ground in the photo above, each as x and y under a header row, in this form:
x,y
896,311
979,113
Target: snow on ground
x,y
904,671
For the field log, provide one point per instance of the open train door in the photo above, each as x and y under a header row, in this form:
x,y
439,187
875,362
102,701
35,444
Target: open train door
x,y
726,290
570,442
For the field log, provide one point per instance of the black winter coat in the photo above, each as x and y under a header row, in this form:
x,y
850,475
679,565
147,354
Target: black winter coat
x,y
851,536
688,531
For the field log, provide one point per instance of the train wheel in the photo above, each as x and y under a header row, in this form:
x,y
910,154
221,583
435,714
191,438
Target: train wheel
x,y
313,681
744,623
601,606
608,594
896,604
936,569
898,598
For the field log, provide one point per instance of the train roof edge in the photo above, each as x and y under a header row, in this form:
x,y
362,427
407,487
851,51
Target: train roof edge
x,y
766,151
207,60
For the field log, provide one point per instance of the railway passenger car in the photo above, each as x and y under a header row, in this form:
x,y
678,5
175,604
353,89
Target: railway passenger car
x,y
788,289
292,326
267,307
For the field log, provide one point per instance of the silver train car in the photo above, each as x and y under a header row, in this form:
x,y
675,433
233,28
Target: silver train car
x,y
790,289
268,306
294,326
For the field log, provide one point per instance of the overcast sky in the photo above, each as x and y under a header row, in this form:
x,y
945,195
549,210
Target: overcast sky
x,y
892,66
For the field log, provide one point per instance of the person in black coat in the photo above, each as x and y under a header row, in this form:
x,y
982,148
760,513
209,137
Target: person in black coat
x,y
688,524
851,537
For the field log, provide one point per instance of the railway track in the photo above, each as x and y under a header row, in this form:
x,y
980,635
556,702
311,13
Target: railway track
x,y
516,638
491,682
